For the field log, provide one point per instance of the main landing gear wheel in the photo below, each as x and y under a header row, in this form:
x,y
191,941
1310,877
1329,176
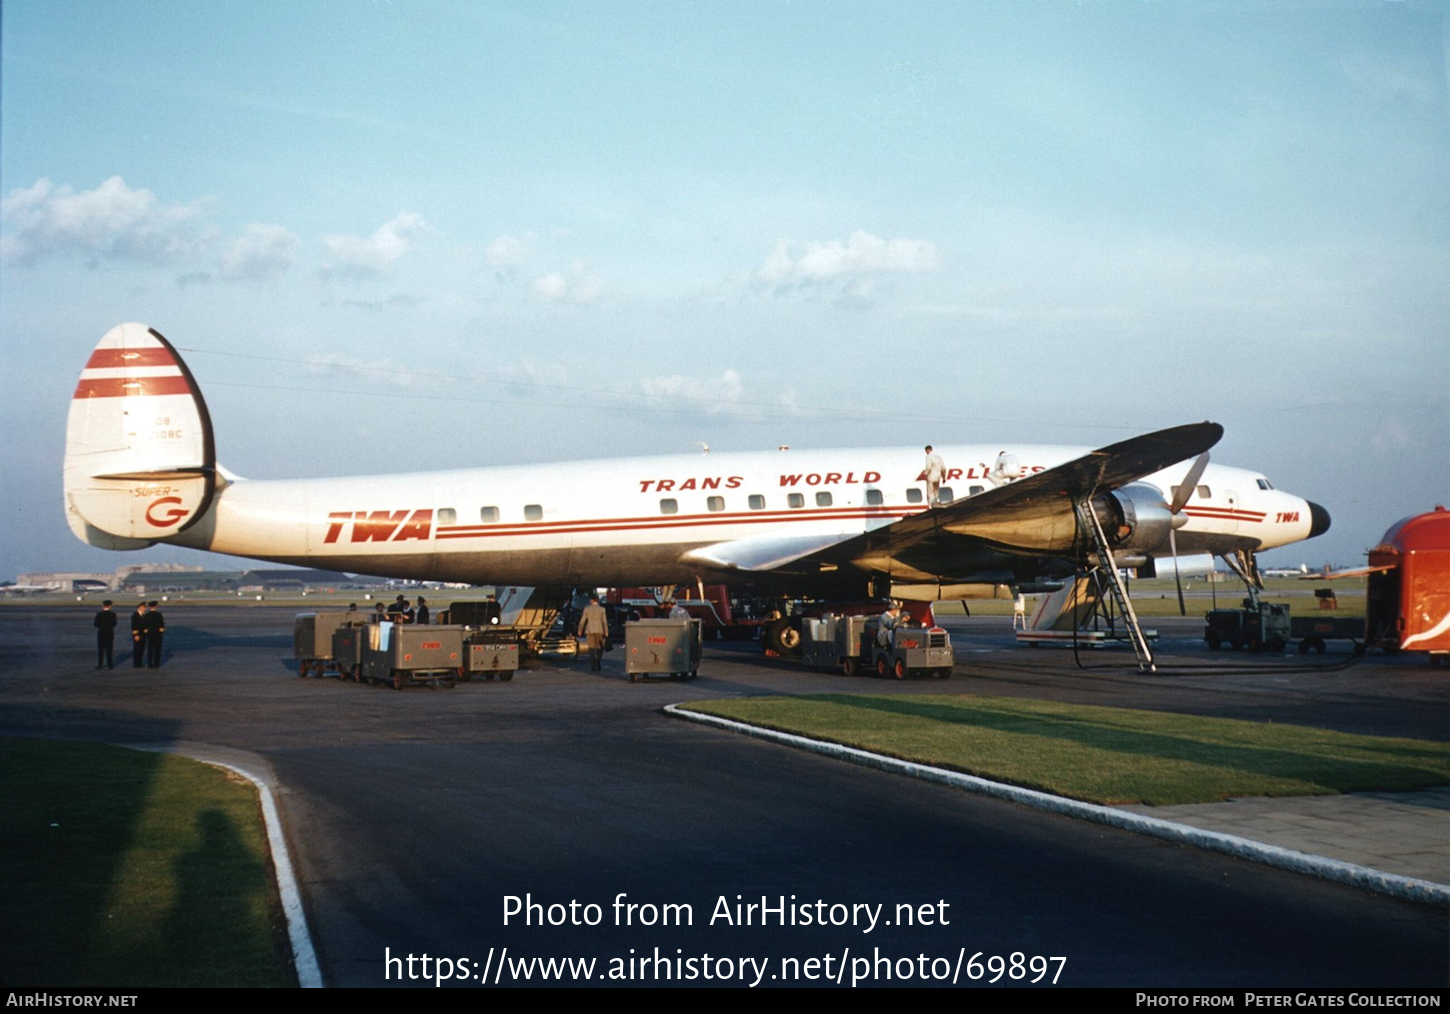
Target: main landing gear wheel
x,y
783,638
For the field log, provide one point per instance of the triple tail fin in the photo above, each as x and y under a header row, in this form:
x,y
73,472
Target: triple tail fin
x,y
140,461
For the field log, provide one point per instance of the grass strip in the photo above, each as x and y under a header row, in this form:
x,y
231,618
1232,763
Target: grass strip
x,y
127,868
1098,754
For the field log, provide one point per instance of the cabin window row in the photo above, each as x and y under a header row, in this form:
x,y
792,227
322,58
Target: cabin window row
x,y
823,498
490,515
716,504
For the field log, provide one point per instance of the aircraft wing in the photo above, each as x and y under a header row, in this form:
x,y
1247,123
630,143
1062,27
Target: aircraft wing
x,y
1034,514
1330,575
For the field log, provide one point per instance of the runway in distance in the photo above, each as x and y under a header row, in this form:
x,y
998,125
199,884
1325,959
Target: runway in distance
x,y
141,469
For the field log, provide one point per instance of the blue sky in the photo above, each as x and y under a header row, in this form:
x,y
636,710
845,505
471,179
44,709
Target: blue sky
x,y
418,235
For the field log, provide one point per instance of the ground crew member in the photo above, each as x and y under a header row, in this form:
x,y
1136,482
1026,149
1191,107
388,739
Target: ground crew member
x,y
422,615
138,635
887,624
401,611
594,625
105,624
677,611
935,471
155,628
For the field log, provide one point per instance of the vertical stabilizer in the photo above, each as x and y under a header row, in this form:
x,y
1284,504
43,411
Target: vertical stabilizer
x,y
140,462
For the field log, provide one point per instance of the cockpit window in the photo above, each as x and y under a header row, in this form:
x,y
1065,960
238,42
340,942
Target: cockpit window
x,y
1265,484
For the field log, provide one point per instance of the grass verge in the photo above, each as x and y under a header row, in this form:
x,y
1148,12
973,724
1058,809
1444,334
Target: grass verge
x,y
126,868
1102,755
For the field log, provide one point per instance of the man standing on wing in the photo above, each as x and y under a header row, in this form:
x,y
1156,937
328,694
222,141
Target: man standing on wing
x,y
936,471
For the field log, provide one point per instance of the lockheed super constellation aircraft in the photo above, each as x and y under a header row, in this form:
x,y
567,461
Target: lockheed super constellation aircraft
x,y
141,468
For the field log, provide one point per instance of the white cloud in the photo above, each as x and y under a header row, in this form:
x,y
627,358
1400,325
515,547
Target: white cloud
x,y
714,395
578,285
846,272
113,222
370,256
262,251
509,252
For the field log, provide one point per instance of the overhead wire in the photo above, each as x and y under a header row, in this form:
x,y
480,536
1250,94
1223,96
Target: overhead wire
x,y
619,399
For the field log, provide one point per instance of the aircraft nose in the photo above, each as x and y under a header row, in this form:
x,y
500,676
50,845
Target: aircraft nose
x,y
1318,519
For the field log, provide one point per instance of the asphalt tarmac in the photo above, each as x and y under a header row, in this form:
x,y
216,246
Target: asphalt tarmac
x,y
413,816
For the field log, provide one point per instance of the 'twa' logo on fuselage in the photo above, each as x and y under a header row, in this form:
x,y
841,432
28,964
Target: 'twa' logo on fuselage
x,y
379,526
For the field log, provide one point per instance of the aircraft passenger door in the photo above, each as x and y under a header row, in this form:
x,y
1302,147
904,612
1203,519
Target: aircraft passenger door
x,y
1231,517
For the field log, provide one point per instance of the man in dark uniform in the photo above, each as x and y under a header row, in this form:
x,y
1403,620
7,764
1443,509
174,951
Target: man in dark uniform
x,y
155,627
138,635
105,624
401,612
421,616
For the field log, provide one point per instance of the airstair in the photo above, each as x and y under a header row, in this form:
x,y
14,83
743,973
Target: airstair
x,y
1070,614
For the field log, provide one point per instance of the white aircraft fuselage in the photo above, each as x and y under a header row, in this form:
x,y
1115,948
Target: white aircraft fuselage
x,y
141,469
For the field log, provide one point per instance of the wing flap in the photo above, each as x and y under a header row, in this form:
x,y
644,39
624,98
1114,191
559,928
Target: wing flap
x,y
761,553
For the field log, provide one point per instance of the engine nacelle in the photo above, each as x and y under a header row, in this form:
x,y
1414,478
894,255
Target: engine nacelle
x,y
1135,517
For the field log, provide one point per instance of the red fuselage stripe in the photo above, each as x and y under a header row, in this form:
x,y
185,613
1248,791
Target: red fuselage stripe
x,y
682,521
1224,514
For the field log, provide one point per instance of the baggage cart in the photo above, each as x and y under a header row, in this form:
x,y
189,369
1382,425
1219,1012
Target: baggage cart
x,y
491,652
833,641
312,639
401,654
1312,631
662,647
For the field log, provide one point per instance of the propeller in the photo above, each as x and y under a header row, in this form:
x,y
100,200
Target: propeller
x,y
1180,500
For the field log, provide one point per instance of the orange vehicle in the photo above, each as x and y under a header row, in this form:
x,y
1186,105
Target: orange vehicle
x,y
1407,607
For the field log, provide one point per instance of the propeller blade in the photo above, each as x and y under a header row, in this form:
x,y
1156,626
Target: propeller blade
x,y
1177,578
1189,483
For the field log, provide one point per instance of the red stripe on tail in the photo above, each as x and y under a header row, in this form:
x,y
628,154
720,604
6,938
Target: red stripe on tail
x,y
107,359
126,387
